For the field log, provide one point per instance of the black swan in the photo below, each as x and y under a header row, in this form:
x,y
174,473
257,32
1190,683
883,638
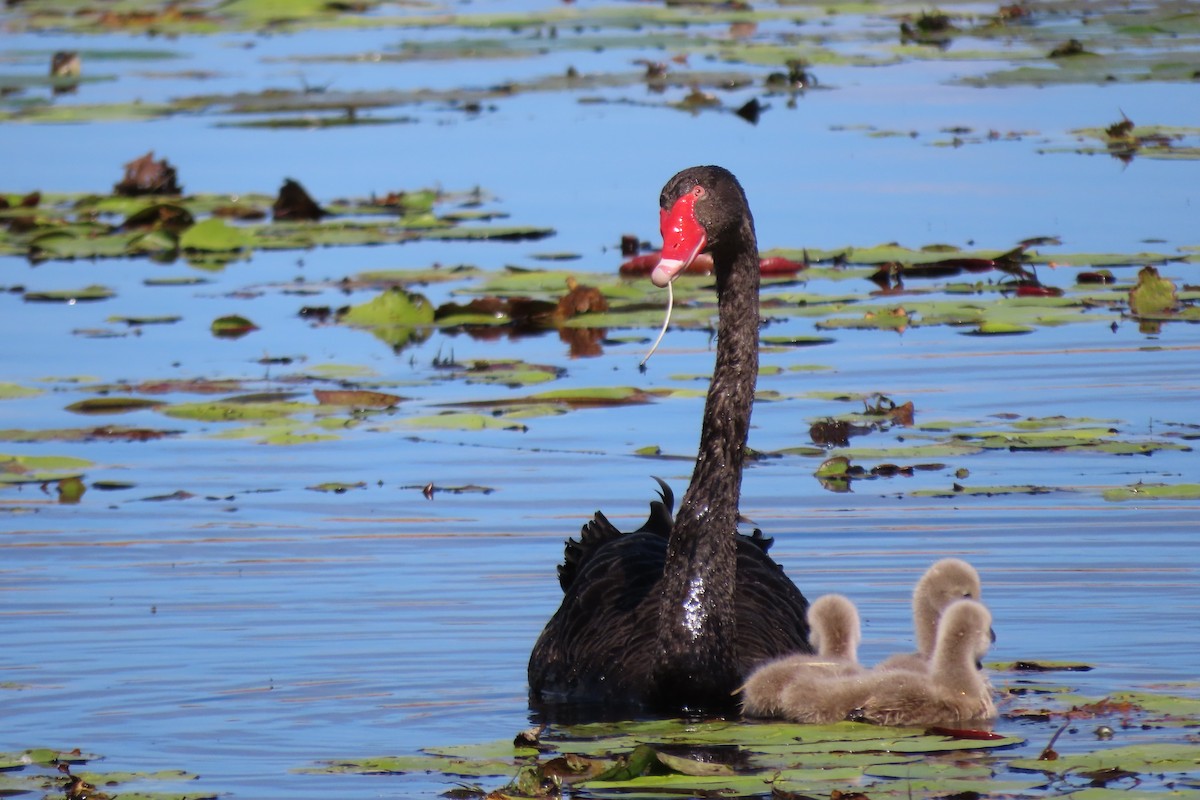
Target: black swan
x,y
675,622
946,581
836,633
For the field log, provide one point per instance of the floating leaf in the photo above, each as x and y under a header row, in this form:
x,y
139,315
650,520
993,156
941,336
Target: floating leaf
x,y
598,397
1153,296
981,491
997,328
112,405
226,411
1154,491
1157,758
836,467
11,391
12,463
214,235
462,422
472,767
394,307
356,398
163,320
86,294
337,488
232,327
509,373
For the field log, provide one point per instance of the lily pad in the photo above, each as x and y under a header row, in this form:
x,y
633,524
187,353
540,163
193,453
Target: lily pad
x,y
1153,296
233,326
213,235
85,295
227,411
1154,491
112,405
356,398
394,307
336,487
1168,758
11,391
509,373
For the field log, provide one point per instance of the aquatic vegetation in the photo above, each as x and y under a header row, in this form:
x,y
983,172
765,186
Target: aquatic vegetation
x,y
70,772
49,227
180,494
667,757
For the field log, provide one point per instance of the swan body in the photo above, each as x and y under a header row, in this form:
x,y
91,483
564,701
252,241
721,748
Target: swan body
x,y
835,632
945,582
675,622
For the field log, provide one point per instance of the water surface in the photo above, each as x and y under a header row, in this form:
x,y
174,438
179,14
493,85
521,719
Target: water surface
x,y
258,626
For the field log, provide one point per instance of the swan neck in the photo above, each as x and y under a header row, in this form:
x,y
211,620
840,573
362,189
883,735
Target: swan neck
x,y
697,632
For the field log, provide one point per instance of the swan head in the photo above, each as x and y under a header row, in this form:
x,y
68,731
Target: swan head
x,y
698,208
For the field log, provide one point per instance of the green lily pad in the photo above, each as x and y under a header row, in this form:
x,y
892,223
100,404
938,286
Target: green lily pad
x,y
400,765
1153,296
232,327
1160,704
281,432
176,280
13,463
998,328
836,467
982,491
1154,491
225,411
12,391
509,373
394,307
85,295
892,319
92,434
462,422
1169,758
596,397
161,320
337,487
796,341
214,235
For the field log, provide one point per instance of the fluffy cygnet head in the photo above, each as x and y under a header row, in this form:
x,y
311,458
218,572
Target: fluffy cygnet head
x,y
836,631
963,638
945,582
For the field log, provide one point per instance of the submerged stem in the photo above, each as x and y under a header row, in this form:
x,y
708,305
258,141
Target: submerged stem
x,y
666,322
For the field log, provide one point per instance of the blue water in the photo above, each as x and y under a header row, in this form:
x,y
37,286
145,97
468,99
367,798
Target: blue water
x,y
259,627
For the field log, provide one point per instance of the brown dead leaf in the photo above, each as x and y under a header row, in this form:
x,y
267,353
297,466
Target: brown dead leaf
x,y
146,176
580,299
294,203
356,398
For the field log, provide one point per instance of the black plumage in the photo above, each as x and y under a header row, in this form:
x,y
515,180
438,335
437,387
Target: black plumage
x,y
674,620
